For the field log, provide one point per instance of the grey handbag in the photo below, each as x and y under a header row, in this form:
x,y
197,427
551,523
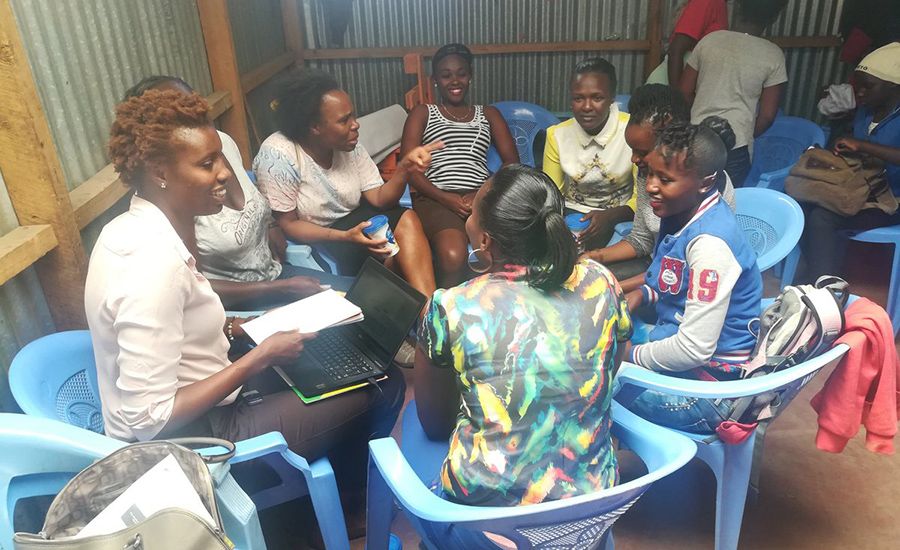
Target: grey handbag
x,y
98,485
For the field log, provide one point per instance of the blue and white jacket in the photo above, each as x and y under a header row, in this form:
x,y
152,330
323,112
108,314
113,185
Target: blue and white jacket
x,y
707,290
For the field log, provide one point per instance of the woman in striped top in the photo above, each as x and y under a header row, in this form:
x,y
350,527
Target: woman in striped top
x,y
442,196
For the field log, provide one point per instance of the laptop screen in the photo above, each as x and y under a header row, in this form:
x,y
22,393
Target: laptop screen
x,y
390,306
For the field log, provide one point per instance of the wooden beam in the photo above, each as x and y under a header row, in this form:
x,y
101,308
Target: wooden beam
x,y
654,35
545,47
292,23
223,68
266,71
34,178
96,195
807,41
527,47
219,102
22,247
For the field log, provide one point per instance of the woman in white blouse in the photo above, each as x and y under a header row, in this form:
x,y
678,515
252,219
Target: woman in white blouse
x,y
159,332
323,187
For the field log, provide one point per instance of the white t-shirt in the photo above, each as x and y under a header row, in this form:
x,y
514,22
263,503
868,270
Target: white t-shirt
x,y
234,244
156,324
733,68
290,179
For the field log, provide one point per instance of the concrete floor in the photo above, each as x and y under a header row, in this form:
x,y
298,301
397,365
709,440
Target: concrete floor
x,y
808,499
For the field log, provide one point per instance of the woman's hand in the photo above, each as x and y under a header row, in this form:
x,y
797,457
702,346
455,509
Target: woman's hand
x,y
634,299
599,219
237,328
457,204
376,247
596,255
419,159
848,145
299,287
284,346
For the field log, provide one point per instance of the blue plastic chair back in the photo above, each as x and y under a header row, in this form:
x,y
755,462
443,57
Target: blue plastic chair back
x,y
527,122
622,100
40,456
579,522
772,223
781,145
54,377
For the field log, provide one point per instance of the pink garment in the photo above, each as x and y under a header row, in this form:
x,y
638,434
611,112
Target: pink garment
x,y
862,390
732,432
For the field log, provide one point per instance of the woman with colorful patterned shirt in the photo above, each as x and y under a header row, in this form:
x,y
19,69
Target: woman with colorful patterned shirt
x,y
531,347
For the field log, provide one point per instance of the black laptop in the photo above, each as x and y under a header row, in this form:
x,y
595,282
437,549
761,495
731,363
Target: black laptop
x,y
347,355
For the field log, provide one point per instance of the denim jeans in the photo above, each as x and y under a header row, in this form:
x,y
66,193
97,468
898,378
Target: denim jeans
x,y
688,414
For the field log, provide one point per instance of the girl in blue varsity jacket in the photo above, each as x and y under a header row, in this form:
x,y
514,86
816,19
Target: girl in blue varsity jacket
x,y
703,278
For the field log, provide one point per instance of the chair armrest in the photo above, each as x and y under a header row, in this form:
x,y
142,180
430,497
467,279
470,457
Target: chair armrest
x,y
638,376
775,179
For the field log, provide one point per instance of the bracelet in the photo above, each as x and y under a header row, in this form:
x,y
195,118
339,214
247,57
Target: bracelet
x,y
229,330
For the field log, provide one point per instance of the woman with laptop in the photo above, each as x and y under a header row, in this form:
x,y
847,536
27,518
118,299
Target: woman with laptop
x,y
530,347
158,329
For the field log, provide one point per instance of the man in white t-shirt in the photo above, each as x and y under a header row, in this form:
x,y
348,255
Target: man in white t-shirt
x,y
740,77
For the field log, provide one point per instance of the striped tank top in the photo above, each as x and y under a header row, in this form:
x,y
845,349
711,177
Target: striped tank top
x,y
462,164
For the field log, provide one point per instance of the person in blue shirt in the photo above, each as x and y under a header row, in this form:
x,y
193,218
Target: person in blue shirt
x,y
703,279
876,133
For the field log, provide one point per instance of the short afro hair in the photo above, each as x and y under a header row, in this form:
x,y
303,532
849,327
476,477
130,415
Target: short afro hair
x,y
596,65
141,133
298,99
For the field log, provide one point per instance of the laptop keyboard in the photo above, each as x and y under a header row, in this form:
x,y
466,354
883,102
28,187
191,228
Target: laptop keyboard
x,y
339,359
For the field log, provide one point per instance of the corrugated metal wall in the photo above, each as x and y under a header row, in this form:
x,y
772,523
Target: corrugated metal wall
x,y
84,55
541,78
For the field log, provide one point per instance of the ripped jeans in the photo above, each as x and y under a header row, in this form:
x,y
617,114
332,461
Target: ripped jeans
x,y
688,414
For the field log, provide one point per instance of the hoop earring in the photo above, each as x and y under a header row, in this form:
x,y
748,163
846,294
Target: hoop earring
x,y
482,263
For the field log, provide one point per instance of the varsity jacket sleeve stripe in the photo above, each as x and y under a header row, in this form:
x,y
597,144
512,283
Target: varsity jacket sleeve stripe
x,y
713,273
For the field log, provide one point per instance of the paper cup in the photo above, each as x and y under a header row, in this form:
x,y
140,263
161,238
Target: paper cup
x,y
576,226
379,228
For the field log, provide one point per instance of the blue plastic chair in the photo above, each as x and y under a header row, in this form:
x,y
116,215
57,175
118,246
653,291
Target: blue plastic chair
x,y
772,223
579,522
526,121
55,377
886,235
620,231
779,148
731,464
622,101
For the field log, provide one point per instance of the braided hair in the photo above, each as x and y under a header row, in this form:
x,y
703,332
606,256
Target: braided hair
x,y
657,105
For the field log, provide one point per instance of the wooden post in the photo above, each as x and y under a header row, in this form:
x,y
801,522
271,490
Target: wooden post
x,y
654,36
223,69
34,178
292,21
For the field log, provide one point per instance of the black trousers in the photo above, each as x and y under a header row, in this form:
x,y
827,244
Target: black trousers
x,y
738,165
820,241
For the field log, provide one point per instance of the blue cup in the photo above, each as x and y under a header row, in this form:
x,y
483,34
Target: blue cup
x,y
379,228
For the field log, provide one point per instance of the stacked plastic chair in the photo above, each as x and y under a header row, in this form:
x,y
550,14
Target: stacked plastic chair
x,y
579,522
526,122
55,377
779,148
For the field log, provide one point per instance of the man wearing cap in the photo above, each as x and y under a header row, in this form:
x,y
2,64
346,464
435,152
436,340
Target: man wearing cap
x,y
876,133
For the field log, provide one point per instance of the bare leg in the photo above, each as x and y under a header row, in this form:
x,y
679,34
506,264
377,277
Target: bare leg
x,y
413,262
450,252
